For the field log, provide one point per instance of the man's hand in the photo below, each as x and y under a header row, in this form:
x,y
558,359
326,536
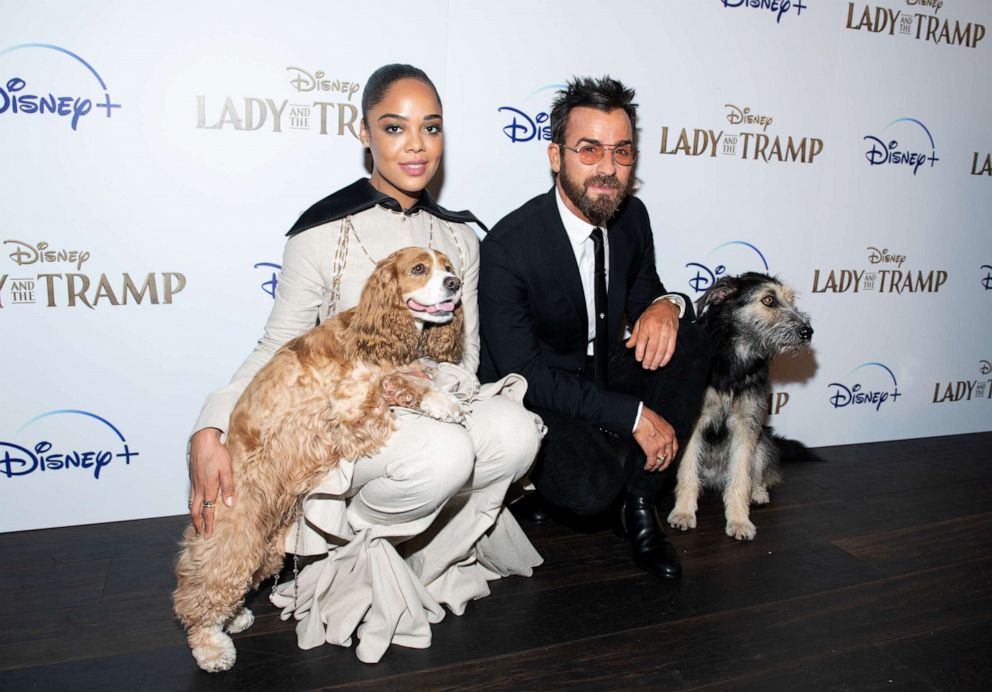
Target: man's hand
x,y
209,472
657,438
654,335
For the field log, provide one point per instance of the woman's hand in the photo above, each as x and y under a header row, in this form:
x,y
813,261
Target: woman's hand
x,y
209,472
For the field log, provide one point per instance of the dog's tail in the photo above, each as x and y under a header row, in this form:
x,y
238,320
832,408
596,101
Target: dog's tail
x,y
792,450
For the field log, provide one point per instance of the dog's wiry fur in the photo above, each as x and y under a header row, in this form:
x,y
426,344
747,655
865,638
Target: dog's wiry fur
x,y
749,318
323,397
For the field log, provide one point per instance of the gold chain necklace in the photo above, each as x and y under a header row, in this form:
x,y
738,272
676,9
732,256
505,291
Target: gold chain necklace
x,y
347,230
430,236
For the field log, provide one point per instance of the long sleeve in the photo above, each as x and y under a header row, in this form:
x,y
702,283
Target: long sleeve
x,y
513,343
297,302
644,285
470,302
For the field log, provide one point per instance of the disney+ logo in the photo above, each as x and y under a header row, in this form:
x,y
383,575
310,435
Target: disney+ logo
x,y
858,394
524,128
882,152
45,457
776,7
17,99
743,253
534,127
269,286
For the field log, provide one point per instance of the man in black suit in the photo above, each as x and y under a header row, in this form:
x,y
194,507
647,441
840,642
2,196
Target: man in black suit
x,y
569,297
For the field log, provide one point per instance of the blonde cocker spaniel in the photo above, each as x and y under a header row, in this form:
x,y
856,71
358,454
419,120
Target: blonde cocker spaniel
x,y
323,397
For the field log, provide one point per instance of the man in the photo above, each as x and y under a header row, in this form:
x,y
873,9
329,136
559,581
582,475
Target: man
x,y
562,278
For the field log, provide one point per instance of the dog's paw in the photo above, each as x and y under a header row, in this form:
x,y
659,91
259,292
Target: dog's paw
x,y
741,530
401,390
442,406
682,520
759,496
214,652
241,621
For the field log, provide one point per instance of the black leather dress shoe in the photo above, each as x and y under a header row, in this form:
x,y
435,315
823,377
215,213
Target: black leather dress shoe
x,y
530,507
652,551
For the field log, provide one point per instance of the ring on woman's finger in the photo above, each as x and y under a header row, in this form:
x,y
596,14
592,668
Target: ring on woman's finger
x,y
208,504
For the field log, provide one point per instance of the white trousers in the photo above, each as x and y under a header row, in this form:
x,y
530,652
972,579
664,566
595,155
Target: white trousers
x,y
435,490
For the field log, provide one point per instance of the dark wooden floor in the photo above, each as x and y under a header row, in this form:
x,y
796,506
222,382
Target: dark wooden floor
x,y
871,570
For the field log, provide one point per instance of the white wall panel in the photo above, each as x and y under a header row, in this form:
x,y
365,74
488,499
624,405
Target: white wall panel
x,y
185,182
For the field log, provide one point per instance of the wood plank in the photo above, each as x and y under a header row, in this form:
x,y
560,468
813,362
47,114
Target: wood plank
x,y
871,564
726,647
789,525
782,525
527,620
543,618
70,544
924,546
955,658
37,589
862,670
87,631
956,448
141,577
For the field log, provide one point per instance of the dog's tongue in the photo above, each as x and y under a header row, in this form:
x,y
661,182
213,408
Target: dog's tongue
x,y
440,307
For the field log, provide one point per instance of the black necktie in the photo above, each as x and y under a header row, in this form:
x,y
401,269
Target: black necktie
x,y
601,344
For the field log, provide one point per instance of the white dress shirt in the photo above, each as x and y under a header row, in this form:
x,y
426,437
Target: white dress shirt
x,y
579,235
579,232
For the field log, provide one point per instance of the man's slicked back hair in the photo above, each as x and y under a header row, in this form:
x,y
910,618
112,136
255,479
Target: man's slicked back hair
x,y
604,94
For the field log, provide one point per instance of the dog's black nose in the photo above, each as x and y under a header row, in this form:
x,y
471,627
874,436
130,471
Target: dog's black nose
x,y
452,283
806,332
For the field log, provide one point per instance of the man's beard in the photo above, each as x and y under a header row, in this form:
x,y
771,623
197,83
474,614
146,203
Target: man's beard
x,y
604,206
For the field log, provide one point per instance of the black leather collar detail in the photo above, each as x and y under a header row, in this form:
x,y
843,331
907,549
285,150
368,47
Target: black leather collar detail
x,y
360,196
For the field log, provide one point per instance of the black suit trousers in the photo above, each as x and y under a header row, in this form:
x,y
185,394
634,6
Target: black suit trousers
x,y
577,468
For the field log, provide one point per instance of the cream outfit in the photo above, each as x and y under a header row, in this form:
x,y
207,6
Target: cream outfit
x,y
422,522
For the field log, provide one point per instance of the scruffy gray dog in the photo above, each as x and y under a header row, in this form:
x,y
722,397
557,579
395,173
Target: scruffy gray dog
x,y
749,318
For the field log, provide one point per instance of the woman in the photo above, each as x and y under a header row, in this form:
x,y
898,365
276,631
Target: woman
x,y
440,484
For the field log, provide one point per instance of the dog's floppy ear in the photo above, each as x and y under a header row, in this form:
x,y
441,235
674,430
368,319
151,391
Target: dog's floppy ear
x,y
717,293
383,328
445,342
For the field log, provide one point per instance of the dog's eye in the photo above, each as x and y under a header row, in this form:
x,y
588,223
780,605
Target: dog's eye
x,y
769,301
418,269
448,268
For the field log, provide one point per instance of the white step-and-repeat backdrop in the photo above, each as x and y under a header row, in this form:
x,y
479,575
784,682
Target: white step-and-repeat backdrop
x,y
155,153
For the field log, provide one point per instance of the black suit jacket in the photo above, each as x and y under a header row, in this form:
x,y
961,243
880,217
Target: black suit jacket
x,y
532,310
